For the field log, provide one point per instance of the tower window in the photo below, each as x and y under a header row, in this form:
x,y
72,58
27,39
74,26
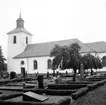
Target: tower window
x,y
14,39
22,62
49,63
35,64
26,40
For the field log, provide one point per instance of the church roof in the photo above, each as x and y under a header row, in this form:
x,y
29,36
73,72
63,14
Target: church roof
x,y
44,49
18,30
97,46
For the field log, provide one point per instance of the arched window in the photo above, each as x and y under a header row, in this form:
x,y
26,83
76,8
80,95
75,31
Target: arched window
x,y
26,40
14,39
49,63
22,63
35,64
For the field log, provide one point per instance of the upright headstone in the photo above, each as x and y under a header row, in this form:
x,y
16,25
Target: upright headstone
x,y
81,72
47,74
59,79
40,82
66,72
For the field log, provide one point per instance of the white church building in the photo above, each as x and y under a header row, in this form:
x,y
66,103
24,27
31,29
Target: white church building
x,y
23,55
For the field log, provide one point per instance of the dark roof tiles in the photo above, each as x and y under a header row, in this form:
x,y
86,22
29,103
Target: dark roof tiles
x,y
97,46
44,49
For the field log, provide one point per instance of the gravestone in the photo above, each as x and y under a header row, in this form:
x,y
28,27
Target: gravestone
x,y
40,82
31,96
81,72
58,80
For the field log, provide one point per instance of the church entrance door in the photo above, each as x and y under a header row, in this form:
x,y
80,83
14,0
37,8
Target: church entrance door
x,y
22,70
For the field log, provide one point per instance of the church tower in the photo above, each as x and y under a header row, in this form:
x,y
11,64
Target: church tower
x,y
18,39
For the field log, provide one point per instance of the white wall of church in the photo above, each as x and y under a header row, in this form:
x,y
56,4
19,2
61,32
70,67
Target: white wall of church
x,y
42,64
29,67
17,48
101,54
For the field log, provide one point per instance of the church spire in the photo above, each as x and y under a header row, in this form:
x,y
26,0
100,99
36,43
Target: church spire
x,y
20,14
20,22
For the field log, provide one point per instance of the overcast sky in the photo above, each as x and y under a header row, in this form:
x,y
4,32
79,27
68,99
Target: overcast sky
x,y
50,20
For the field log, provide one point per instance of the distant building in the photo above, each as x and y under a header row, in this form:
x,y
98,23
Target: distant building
x,y
22,55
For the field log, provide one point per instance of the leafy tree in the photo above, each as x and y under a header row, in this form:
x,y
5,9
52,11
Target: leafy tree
x,y
60,54
66,57
104,61
91,62
2,61
98,63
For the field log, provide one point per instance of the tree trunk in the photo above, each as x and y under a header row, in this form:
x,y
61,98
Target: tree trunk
x,y
91,72
53,72
74,76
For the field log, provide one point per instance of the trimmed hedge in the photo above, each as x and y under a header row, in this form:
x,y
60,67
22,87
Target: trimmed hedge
x,y
92,86
80,82
95,79
59,92
51,91
14,80
66,75
11,89
65,101
79,93
23,103
66,86
3,97
89,87
38,91
101,83
95,84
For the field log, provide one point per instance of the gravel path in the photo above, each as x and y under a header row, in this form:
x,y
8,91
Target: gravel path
x,y
95,97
